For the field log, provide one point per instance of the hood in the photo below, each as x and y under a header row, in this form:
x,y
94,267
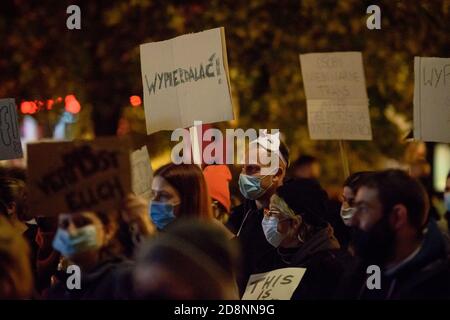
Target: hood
x,y
434,247
323,240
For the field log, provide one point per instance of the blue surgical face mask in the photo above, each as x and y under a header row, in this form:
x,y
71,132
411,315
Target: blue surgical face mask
x,y
69,245
250,186
447,201
270,228
161,214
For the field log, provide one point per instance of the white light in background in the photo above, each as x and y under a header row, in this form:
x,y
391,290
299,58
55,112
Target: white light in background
x,y
441,166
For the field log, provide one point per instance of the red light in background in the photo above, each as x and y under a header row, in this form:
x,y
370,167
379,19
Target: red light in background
x,y
72,104
29,107
50,103
135,101
59,99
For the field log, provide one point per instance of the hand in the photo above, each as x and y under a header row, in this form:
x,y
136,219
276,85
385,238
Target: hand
x,y
135,213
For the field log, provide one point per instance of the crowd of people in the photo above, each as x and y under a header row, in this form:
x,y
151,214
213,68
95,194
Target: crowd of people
x,y
192,240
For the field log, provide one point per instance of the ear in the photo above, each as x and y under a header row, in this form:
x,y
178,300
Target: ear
x,y
279,175
399,217
296,223
11,208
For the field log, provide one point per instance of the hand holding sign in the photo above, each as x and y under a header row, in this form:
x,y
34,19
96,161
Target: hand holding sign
x,y
278,284
10,146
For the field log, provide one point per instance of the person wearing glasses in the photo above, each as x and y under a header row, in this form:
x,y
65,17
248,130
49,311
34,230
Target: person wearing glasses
x,y
295,225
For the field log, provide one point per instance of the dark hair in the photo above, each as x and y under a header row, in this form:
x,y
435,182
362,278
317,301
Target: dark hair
x,y
13,172
355,180
196,253
189,182
13,191
304,160
397,187
307,198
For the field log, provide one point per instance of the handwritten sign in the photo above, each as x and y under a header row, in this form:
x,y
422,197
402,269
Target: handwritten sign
x,y
10,146
77,175
141,173
432,99
278,284
337,103
186,79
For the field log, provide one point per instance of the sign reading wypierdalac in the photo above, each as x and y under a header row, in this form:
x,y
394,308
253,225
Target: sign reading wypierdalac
x,y
80,175
432,99
186,79
10,145
336,97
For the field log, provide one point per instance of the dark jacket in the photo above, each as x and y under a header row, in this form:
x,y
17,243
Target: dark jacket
x,y
245,221
110,280
323,259
426,276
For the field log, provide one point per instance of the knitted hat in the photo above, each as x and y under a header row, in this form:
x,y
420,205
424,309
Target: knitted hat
x,y
306,198
217,179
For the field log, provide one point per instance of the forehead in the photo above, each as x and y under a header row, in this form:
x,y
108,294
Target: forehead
x,y
348,193
366,194
159,182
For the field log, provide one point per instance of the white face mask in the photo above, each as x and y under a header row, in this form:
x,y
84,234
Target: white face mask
x,y
347,214
270,228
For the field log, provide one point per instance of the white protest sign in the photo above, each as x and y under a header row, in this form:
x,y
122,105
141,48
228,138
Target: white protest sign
x,y
278,284
337,103
10,146
432,99
186,79
141,173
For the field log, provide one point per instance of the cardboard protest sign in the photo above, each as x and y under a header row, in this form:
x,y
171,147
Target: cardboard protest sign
x,y
77,175
141,173
186,79
337,103
432,99
278,284
10,146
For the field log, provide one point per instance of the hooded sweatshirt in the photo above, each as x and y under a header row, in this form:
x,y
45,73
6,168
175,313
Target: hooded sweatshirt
x,y
425,274
323,259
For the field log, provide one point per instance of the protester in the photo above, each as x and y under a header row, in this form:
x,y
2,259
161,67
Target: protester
x,y
245,220
12,195
93,242
350,188
217,179
191,260
306,166
16,279
392,233
180,191
295,225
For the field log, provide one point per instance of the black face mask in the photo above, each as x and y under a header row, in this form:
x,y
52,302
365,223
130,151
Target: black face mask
x,y
376,245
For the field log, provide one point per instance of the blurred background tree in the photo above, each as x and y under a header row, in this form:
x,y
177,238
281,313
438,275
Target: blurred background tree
x,y
41,59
